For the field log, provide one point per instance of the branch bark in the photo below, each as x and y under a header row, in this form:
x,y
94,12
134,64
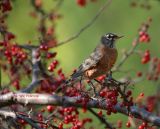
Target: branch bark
x,y
65,101
10,114
36,70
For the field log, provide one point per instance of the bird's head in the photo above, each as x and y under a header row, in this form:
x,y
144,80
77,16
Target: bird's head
x,y
109,39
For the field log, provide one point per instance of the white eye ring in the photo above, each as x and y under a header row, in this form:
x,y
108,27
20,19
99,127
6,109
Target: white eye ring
x,y
108,36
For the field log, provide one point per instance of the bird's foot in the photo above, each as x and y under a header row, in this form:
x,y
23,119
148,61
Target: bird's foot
x,y
95,94
84,94
109,77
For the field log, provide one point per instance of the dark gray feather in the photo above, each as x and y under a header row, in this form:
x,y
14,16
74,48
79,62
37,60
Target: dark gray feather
x,y
90,62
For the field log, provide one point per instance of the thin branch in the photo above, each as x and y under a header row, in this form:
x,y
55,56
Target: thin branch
x,y
101,118
80,31
86,26
58,5
0,78
65,101
10,114
7,114
126,55
36,71
143,28
29,121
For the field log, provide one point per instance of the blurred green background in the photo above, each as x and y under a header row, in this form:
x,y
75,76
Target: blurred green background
x,y
119,18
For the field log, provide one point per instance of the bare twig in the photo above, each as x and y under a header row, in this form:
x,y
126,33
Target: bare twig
x,y
102,119
80,31
29,121
58,5
86,26
127,54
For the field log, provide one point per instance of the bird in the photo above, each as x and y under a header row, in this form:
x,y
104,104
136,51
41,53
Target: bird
x,y
100,61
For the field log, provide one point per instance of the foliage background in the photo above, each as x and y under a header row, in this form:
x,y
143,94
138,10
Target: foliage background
x,y
119,18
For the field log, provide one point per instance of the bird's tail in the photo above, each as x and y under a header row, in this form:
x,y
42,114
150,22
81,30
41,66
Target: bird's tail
x,y
65,83
72,81
68,82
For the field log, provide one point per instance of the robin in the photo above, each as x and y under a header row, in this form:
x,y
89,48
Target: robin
x,y
101,59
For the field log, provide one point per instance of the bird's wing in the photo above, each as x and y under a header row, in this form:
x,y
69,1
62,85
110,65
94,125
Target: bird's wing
x,y
90,62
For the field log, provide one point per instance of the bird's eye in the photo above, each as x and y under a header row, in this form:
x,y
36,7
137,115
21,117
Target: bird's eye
x,y
109,36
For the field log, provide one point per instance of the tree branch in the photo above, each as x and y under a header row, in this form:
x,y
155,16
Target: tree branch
x,y
36,71
65,101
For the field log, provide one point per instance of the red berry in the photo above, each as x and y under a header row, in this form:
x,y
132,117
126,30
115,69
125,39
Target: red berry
x,y
81,2
38,3
50,108
155,59
140,127
144,60
139,74
50,31
10,36
129,92
43,47
101,78
102,93
128,124
144,37
5,5
108,112
50,68
119,124
60,126
100,113
51,55
146,57
144,124
141,33
55,62
141,94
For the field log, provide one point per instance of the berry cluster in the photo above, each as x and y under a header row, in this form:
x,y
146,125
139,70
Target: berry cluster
x,y
145,4
111,97
71,116
14,54
83,3
144,37
146,58
154,69
142,126
5,5
52,66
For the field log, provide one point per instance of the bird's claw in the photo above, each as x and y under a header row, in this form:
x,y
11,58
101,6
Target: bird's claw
x,y
95,95
109,76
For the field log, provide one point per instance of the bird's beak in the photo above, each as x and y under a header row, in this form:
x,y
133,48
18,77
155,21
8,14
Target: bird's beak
x,y
118,37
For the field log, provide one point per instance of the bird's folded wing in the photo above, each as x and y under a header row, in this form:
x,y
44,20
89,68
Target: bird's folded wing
x,y
89,63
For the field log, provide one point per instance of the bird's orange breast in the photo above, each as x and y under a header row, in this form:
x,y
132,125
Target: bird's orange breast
x,y
105,63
